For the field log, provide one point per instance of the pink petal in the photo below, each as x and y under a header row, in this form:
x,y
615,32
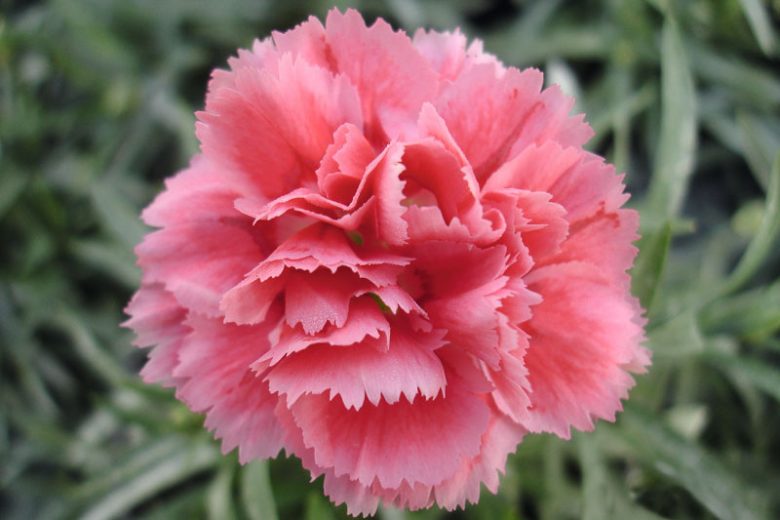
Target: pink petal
x,y
274,126
445,51
215,361
392,78
512,389
535,168
157,320
485,110
471,320
306,41
199,261
388,186
356,442
344,164
319,298
365,320
360,372
199,193
579,181
605,241
314,247
552,122
579,352
455,268
500,439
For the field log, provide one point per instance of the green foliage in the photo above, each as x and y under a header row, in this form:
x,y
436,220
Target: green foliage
x,y
96,108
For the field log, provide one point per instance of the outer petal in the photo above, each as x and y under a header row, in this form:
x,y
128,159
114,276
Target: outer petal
x,y
584,337
199,261
605,241
157,319
215,360
577,180
500,439
199,193
356,442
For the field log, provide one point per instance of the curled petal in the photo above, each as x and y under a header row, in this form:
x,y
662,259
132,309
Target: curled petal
x,y
359,372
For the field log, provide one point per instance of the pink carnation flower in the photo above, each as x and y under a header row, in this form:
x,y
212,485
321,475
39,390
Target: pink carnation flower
x,y
393,259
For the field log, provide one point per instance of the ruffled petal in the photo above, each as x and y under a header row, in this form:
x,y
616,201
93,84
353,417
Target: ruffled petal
x,y
500,440
580,350
392,78
359,372
485,108
157,320
215,362
199,193
274,126
356,442
199,261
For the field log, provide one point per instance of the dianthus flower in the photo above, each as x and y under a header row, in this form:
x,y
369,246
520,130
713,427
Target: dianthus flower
x,y
393,259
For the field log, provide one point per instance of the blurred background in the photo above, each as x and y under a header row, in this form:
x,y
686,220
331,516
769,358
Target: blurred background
x,y
96,108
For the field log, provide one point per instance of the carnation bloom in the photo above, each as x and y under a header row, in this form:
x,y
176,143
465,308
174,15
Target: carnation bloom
x,y
391,258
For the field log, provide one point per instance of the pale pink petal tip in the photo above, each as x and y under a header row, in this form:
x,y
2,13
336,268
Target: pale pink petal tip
x,y
393,259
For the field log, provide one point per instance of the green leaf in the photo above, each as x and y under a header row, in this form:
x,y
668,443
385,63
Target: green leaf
x,y
675,154
116,215
752,85
256,493
219,500
117,262
318,508
679,336
11,186
649,267
759,143
752,315
757,372
87,347
761,24
166,472
718,489
762,244
603,498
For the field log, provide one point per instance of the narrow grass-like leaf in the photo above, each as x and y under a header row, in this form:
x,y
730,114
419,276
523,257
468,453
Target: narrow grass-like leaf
x,y
649,267
317,508
759,144
761,245
757,372
116,215
679,336
752,85
111,260
176,468
761,24
677,145
753,315
11,186
219,500
718,489
256,493
603,499
87,347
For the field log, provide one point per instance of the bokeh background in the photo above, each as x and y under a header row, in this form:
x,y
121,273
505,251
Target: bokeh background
x,y
96,108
